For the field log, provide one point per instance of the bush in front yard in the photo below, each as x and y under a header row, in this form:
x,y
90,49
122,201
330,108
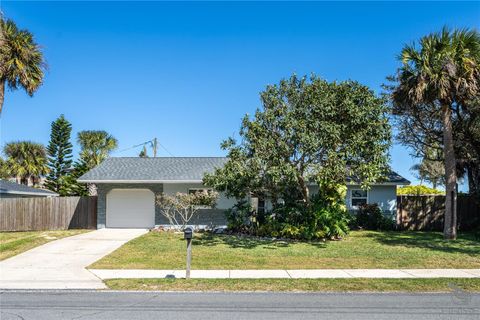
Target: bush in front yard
x,y
325,217
239,217
371,217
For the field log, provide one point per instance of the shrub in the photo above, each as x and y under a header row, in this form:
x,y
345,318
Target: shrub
x,y
239,217
325,216
418,190
370,217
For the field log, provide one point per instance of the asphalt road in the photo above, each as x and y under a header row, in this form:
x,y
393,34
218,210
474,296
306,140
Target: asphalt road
x,y
84,305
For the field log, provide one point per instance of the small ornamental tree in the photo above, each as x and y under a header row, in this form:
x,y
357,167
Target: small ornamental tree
x,y
59,152
308,130
182,207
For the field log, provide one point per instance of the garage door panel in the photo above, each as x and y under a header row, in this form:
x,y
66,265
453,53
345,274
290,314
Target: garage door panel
x,y
130,208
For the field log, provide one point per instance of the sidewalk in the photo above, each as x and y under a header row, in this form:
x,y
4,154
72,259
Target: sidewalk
x,y
289,274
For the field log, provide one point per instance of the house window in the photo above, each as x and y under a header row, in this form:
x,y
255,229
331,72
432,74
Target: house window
x,y
358,197
197,190
261,206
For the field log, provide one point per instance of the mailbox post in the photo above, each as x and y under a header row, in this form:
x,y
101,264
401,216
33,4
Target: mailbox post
x,y
188,235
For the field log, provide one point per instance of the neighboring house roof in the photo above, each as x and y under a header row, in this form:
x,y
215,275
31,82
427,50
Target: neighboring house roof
x,y
164,169
168,169
7,187
391,178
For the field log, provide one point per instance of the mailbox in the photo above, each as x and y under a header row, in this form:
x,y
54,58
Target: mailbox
x,y
188,233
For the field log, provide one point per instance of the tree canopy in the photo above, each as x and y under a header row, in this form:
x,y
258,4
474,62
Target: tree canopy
x,y
26,160
307,131
21,60
435,97
95,146
59,156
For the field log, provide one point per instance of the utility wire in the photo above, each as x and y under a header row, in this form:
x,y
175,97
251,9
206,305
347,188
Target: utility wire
x,y
142,144
161,145
133,147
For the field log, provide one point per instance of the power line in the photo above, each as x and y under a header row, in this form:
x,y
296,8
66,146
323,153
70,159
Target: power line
x,y
161,145
152,143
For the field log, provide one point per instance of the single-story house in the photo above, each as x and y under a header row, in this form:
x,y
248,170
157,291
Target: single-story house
x,y
14,190
127,188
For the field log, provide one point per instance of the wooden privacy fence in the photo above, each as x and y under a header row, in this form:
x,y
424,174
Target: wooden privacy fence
x,y
427,212
56,213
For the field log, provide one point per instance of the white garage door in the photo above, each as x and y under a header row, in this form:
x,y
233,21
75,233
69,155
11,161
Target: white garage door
x,y
130,208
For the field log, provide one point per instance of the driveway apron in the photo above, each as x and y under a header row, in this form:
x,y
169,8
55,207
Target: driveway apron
x,y
61,264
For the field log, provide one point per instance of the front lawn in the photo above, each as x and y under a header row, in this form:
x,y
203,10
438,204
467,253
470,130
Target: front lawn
x,y
312,285
361,249
13,243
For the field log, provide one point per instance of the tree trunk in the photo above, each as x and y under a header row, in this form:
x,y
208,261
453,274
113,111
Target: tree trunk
x,y
450,226
304,189
473,174
2,95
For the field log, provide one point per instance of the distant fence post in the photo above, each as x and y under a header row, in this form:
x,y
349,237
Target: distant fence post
x,y
55,213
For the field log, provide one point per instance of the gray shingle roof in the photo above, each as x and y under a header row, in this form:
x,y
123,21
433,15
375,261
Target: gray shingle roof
x,y
153,169
7,187
391,178
164,169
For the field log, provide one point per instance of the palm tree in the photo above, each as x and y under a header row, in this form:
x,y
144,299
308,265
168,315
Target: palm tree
x,y
96,146
438,77
21,61
26,160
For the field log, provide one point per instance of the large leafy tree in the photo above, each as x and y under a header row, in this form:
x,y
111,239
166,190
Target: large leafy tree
x,y
21,60
59,156
431,168
309,130
95,146
434,93
26,160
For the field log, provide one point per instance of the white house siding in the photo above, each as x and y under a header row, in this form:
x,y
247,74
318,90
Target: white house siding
x,y
222,203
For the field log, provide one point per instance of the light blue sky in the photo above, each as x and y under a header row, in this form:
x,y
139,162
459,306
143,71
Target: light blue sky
x,y
187,72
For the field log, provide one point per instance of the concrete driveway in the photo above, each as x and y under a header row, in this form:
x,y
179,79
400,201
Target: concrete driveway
x,y
60,264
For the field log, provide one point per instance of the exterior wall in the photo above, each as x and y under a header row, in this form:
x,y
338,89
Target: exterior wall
x,y
205,217
104,188
384,196
222,203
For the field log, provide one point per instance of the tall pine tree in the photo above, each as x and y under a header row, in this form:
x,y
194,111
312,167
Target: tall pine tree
x,y
59,156
75,188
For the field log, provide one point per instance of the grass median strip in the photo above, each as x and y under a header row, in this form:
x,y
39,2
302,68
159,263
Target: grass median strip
x,y
361,249
292,285
13,243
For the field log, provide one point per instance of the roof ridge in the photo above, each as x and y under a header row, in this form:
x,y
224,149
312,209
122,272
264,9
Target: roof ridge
x,y
181,157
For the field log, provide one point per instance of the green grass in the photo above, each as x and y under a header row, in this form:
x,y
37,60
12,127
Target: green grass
x,y
312,285
361,249
13,243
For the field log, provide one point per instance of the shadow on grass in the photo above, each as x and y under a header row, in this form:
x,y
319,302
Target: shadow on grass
x,y
466,243
233,241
